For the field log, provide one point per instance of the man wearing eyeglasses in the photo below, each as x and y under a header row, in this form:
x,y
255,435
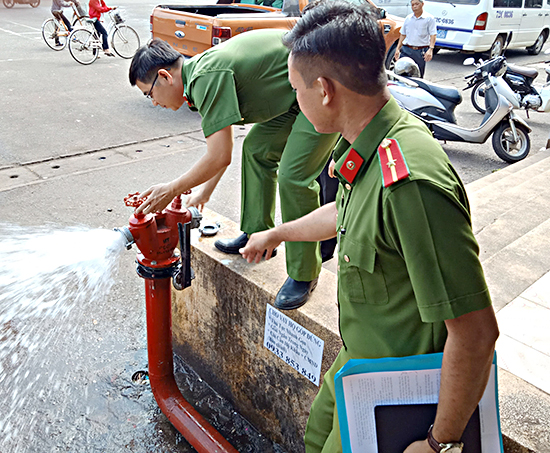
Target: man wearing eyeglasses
x,y
244,80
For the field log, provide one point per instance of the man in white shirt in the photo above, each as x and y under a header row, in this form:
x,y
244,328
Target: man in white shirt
x,y
418,35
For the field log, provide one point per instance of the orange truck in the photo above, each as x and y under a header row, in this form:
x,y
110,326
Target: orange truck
x,y
191,29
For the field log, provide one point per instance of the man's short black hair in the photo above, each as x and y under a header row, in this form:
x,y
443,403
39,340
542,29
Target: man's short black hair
x,y
156,54
342,41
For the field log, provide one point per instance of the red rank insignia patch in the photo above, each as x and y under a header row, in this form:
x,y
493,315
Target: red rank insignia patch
x,y
352,164
392,162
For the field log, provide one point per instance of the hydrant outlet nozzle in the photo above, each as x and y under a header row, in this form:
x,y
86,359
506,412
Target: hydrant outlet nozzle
x,y
125,231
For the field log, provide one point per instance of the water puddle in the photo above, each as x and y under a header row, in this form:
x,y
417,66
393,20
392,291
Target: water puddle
x,y
47,276
72,335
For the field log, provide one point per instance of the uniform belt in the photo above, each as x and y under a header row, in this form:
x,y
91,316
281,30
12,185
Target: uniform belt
x,y
416,47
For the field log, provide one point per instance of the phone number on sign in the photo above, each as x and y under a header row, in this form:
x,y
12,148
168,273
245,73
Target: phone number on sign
x,y
291,362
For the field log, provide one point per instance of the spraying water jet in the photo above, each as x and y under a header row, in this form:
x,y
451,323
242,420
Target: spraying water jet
x,y
156,237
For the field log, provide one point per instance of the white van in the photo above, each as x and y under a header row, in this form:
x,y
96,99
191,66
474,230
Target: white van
x,y
401,8
491,25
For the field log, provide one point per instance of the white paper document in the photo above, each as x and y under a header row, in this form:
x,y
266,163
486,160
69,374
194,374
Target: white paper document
x,y
364,391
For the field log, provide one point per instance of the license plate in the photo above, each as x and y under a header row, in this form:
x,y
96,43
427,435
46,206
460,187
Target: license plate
x,y
441,34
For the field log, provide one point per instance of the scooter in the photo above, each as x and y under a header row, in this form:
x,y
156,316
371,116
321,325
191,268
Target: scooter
x,y
518,88
435,106
10,3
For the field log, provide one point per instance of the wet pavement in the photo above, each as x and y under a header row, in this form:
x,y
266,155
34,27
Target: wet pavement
x,y
74,387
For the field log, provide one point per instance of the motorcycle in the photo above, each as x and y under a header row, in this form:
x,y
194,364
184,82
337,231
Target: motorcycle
x,y
435,105
10,3
518,88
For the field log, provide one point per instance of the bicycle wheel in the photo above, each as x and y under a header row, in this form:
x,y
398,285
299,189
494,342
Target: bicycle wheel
x,y
53,35
125,41
82,45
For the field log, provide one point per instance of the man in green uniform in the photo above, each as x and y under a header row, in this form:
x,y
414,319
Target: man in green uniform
x,y
244,80
409,277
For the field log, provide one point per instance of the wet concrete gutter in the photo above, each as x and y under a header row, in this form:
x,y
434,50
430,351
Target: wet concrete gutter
x,y
218,327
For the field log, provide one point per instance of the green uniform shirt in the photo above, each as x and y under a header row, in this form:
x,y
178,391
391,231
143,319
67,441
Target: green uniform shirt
x,y
408,259
243,80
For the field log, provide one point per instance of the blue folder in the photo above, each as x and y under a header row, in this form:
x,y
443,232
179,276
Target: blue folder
x,y
398,425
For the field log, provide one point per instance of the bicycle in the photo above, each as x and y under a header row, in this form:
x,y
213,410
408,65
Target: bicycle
x,y
55,32
85,45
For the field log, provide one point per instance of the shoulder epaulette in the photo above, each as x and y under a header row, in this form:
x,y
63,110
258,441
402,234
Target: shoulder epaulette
x,y
392,162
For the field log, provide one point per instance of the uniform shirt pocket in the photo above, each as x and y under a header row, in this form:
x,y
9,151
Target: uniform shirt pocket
x,y
360,277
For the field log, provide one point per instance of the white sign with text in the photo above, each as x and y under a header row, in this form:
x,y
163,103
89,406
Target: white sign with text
x,y
297,346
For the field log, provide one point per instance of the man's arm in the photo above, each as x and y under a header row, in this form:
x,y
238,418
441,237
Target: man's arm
x,y
399,45
430,52
318,225
467,359
202,196
219,146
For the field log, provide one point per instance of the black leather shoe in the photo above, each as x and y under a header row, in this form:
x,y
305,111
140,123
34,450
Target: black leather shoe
x,y
294,294
232,246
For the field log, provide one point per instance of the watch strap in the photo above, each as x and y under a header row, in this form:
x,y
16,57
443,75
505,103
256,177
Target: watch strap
x,y
437,447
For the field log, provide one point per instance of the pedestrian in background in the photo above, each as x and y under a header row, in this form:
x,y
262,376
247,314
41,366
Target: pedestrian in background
x,y
97,8
57,12
418,35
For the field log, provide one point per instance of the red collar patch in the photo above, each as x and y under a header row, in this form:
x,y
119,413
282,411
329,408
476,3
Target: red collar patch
x,y
352,164
392,162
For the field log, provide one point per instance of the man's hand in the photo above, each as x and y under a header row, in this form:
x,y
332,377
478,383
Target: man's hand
x,y
420,446
396,55
258,243
330,170
158,197
198,199
428,55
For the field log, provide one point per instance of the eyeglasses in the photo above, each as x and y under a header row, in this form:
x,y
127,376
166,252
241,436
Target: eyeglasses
x,y
149,95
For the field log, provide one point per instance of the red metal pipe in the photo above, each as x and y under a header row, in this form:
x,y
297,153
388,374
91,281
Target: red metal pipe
x,y
198,432
156,236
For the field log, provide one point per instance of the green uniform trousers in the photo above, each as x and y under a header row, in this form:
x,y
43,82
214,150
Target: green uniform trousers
x,y
289,145
322,429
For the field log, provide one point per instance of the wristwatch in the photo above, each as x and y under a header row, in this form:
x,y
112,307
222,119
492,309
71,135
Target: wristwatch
x,y
451,447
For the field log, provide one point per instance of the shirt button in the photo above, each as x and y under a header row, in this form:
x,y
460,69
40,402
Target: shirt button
x,y
348,187
346,258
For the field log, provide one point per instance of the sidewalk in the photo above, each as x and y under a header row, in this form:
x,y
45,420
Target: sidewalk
x,y
524,345
511,220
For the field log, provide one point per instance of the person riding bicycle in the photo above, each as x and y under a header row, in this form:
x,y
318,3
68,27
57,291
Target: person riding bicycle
x,y
57,12
97,8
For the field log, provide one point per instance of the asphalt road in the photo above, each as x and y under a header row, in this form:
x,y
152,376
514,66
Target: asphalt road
x,y
52,106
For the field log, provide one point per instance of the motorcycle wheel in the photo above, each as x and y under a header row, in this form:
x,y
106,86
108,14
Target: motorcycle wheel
x,y
478,96
504,145
9,3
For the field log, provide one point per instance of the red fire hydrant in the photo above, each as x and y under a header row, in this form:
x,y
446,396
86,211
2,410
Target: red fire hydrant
x,y
157,236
